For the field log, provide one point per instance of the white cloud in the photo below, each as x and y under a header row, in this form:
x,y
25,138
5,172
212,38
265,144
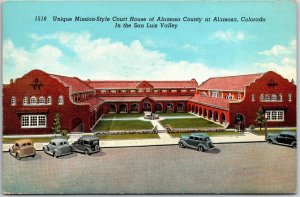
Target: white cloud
x,y
280,50
230,36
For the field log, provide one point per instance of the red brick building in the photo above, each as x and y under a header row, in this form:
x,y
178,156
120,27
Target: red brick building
x,y
234,99
31,102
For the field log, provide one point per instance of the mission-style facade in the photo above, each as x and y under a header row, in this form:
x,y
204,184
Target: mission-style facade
x,y
31,102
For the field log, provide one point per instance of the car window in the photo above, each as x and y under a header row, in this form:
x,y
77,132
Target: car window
x,y
206,139
86,142
196,138
61,143
65,142
24,144
201,139
28,143
53,144
191,137
282,135
16,144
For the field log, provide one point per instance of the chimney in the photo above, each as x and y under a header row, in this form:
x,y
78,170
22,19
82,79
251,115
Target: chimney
x,y
11,81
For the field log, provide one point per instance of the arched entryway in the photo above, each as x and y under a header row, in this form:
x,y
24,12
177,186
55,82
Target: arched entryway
x,y
200,111
216,116
222,118
170,107
158,107
76,125
209,114
205,113
134,108
180,107
239,121
192,109
112,108
147,106
123,108
196,110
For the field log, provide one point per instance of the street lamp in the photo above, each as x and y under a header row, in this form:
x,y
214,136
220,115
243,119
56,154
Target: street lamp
x,y
265,121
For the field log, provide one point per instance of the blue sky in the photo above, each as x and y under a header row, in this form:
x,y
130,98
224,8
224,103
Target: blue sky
x,y
94,50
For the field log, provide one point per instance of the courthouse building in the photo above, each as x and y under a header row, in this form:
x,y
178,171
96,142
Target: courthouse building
x,y
31,102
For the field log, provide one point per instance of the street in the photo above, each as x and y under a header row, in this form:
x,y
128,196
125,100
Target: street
x,y
231,168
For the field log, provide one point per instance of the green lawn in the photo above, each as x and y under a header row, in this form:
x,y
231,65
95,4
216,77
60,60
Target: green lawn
x,y
225,133
129,136
175,114
115,115
35,140
109,125
189,123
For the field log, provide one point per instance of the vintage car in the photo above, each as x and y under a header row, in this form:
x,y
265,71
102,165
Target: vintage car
x,y
22,148
285,138
87,145
150,115
58,147
200,141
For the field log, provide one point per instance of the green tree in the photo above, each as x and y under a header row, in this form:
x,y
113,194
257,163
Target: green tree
x,y
260,118
56,124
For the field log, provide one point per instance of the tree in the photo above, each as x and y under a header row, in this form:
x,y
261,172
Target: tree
x,y
260,118
56,124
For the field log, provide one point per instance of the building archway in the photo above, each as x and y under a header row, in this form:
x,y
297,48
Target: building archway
x,y
180,107
76,125
216,116
222,118
200,111
147,106
209,114
158,107
192,109
134,108
196,110
205,113
123,108
112,108
169,107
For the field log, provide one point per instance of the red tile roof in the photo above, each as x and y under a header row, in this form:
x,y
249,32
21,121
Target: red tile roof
x,y
133,84
123,99
211,101
93,103
170,98
75,84
231,83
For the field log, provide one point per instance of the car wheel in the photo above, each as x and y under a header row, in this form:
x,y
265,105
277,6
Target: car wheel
x,y
32,155
181,145
200,148
18,156
10,151
295,145
269,141
86,152
97,148
55,154
45,149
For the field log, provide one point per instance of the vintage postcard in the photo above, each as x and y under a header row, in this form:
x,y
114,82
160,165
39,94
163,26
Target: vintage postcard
x,y
149,97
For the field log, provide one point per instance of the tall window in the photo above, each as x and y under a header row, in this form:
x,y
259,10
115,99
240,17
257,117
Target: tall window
x,y
33,100
253,97
13,101
267,97
239,96
49,100
42,100
60,100
203,94
214,94
262,98
33,121
25,100
280,97
274,97
274,115
290,97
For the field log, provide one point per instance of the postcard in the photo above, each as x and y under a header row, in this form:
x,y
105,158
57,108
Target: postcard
x,y
149,97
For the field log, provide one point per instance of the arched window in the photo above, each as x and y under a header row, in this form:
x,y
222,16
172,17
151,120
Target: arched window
x,y
280,97
268,97
13,100
33,100
290,97
274,97
262,98
60,100
49,100
25,100
41,100
253,97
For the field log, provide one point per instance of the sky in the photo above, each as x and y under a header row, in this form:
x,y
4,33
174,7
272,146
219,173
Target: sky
x,y
99,51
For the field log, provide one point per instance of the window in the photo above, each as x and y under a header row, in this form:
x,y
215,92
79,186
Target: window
x,y
60,100
253,97
203,94
183,90
132,91
239,96
262,98
290,97
192,90
103,91
113,91
214,94
33,121
274,97
274,115
33,100
229,97
173,91
25,100
280,97
268,97
148,90
41,100
13,100
164,91
123,91
49,100
156,91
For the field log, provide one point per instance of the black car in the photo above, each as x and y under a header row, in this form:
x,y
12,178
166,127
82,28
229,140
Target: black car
x,y
285,138
87,145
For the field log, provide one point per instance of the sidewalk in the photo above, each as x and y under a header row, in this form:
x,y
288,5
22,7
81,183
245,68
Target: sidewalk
x,y
165,139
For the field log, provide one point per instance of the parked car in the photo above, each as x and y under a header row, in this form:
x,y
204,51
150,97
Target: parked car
x,y
150,115
200,141
58,147
87,145
285,138
22,148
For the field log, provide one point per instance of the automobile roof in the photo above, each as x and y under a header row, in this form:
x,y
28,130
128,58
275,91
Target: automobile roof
x,y
200,134
289,132
58,140
88,138
22,141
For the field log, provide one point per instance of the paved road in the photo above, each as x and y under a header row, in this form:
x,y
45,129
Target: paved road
x,y
232,168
